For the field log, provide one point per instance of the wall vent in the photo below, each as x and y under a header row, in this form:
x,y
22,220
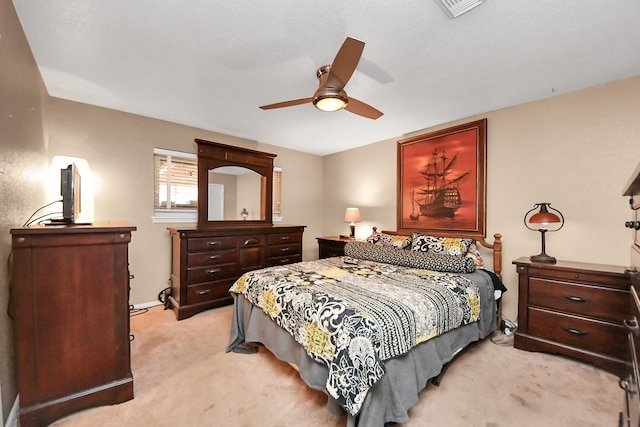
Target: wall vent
x,y
456,8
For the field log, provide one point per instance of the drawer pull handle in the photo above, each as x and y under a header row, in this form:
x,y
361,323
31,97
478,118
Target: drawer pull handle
x,y
284,250
574,298
206,291
632,324
575,331
213,243
214,257
251,241
213,271
284,238
627,385
284,261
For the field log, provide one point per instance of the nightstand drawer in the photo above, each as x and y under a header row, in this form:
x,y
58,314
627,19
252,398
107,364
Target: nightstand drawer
x,y
592,301
594,277
591,335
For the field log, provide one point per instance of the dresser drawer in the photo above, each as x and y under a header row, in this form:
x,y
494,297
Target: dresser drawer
x,y
271,261
195,259
284,250
592,301
210,273
587,334
284,238
210,243
208,291
616,280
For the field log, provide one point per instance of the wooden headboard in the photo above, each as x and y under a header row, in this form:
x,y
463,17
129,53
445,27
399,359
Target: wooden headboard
x,y
495,247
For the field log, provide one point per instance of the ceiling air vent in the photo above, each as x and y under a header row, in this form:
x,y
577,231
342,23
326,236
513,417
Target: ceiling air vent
x,y
456,8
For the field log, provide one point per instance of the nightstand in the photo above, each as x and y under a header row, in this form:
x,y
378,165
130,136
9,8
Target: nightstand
x,y
330,246
575,309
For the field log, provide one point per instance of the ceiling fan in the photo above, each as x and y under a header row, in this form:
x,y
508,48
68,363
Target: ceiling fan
x,y
330,95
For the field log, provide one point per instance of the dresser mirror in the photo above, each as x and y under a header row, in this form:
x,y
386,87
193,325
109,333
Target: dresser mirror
x,y
234,194
235,186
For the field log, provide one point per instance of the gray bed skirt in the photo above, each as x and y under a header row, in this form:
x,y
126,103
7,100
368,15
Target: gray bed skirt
x,y
390,399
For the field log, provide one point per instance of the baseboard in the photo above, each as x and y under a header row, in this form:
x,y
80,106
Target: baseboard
x,y
147,305
12,419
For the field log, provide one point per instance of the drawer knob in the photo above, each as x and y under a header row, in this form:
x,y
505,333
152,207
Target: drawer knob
x,y
625,384
213,271
631,324
213,243
575,331
574,298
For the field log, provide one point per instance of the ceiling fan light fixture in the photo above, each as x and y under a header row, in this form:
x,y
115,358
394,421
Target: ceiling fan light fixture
x,y
330,103
329,99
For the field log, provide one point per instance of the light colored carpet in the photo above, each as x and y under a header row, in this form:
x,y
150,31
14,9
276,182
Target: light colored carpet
x,y
184,377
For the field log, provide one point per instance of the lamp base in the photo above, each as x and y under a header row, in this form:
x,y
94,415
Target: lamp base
x,y
543,258
352,229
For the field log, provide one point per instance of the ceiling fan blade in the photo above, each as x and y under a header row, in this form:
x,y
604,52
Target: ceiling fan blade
x,y
287,103
345,63
360,108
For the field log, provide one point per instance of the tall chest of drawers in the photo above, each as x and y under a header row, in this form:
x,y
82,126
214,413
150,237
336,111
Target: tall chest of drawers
x,y
206,262
70,302
575,309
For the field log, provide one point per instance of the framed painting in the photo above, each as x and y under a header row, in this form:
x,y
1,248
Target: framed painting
x,y
442,182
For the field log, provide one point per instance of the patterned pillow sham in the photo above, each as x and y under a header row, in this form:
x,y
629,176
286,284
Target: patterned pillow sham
x,y
456,246
392,240
413,259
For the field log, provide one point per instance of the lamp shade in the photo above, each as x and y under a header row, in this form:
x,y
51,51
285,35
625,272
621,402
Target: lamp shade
x,y
544,216
352,215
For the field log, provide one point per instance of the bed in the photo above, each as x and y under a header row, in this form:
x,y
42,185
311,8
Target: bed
x,y
371,328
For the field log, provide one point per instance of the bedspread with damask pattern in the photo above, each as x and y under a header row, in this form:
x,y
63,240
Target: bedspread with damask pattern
x,y
354,316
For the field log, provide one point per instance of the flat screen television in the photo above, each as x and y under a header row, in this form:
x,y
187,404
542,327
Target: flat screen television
x,y
70,182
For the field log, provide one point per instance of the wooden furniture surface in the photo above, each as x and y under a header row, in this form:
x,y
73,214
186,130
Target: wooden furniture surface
x,y
630,416
70,303
330,246
575,309
206,262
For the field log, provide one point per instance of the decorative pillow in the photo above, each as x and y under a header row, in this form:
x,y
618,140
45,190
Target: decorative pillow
x,y
456,246
474,254
396,241
422,260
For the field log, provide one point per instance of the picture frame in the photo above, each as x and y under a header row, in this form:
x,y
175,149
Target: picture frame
x,y
442,180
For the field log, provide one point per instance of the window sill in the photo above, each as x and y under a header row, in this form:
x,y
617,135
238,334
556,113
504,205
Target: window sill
x,y
170,216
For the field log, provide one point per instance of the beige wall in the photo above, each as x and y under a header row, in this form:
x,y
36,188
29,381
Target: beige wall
x,y
23,162
576,151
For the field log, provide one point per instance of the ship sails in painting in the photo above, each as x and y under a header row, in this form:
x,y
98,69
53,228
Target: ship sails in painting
x,y
440,197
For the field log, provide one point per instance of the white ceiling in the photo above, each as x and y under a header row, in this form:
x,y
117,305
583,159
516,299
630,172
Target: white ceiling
x,y
212,63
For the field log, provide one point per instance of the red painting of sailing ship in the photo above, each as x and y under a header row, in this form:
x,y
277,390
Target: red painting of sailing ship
x,y
440,195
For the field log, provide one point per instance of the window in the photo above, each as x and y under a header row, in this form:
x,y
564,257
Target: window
x,y
176,186
277,194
